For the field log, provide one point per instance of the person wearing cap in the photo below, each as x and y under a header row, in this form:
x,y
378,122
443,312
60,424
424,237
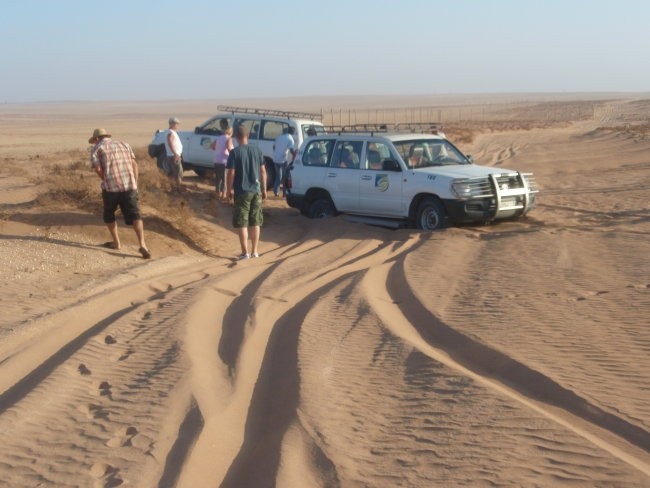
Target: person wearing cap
x,y
115,164
174,151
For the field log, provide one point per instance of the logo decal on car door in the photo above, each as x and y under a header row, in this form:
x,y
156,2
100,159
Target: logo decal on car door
x,y
382,182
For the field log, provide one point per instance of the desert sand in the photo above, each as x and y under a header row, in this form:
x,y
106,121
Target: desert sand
x,y
514,355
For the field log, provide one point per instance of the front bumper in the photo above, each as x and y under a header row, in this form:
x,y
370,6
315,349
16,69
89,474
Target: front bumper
x,y
488,209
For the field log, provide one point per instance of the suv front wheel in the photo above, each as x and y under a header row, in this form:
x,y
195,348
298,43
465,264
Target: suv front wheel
x,y
431,215
321,208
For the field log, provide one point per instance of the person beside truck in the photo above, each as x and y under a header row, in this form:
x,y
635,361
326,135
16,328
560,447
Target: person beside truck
x,y
174,151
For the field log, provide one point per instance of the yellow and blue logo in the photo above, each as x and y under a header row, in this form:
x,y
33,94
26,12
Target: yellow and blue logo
x,y
382,182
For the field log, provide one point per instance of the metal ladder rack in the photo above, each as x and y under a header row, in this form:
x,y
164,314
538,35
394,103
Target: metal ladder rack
x,y
419,127
266,111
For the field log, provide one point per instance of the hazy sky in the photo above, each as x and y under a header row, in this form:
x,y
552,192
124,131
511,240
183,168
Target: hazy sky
x,y
197,49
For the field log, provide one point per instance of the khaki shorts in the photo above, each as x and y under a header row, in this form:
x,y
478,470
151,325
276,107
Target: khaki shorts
x,y
173,168
248,210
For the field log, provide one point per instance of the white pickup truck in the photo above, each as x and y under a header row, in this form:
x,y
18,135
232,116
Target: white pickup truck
x,y
264,126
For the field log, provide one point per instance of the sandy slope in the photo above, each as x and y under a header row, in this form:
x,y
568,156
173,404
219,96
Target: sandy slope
x,y
509,355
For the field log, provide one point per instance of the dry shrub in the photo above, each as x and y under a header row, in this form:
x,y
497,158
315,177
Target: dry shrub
x,y
637,130
76,184
465,132
67,183
460,135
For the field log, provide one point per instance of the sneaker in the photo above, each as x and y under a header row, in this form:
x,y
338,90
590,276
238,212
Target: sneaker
x,y
243,256
256,255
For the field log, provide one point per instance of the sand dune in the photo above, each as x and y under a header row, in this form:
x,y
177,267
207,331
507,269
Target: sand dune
x,y
514,354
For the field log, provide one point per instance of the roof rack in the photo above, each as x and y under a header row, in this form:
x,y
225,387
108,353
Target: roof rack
x,y
423,127
266,111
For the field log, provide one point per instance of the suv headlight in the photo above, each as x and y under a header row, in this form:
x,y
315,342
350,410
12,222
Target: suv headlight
x,y
465,188
461,188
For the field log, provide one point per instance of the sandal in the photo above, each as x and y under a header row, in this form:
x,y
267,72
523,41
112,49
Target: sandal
x,y
146,254
110,245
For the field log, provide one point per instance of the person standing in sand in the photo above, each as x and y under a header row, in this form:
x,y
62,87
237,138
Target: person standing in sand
x,y
246,181
283,154
222,147
115,164
174,151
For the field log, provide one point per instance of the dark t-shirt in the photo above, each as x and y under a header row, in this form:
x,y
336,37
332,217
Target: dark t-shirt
x,y
246,160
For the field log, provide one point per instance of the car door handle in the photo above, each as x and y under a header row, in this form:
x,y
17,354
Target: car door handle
x,y
331,175
366,177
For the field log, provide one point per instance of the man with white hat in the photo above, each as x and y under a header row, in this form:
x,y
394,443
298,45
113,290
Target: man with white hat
x,y
114,162
174,151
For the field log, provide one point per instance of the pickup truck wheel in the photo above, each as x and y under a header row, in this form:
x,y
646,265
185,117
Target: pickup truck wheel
x,y
431,215
270,173
200,172
160,160
321,208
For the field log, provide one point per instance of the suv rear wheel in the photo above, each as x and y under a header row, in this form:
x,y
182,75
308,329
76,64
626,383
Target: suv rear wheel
x,y
431,215
321,208
270,173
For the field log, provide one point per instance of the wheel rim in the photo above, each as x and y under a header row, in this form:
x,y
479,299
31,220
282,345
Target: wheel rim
x,y
322,210
430,219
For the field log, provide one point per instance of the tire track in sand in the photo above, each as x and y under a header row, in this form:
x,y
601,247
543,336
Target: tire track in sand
x,y
232,413
109,406
402,312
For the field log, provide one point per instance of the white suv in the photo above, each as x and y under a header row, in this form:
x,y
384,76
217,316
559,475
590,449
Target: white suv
x,y
420,179
263,125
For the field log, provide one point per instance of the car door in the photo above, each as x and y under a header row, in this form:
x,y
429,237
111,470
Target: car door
x,y
312,165
380,191
252,124
343,176
198,147
269,130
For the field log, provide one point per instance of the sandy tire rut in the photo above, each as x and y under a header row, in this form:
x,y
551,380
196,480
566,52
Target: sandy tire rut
x,y
219,354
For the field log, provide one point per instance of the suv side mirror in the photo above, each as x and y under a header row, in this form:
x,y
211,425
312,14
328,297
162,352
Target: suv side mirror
x,y
197,130
391,165
469,158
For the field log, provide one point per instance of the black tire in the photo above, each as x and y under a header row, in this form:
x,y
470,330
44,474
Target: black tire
x,y
321,208
155,149
270,174
160,160
431,215
201,172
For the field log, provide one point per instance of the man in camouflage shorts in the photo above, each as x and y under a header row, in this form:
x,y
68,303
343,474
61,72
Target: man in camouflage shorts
x,y
246,180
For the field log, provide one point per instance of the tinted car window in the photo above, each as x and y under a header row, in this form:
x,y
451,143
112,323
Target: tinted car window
x,y
376,153
317,152
251,124
272,129
213,126
428,152
347,154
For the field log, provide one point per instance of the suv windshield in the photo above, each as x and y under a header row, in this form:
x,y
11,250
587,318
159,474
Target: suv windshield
x,y
420,153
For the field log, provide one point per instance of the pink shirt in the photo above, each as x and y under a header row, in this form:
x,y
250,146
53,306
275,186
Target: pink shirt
x,y
222,149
